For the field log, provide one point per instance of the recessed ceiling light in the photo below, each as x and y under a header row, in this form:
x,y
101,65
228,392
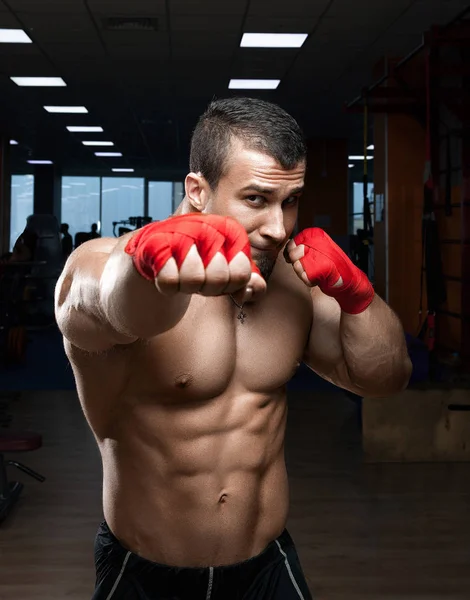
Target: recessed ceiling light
x,y
40,162
98,143
39,81
123,170
66,109
109,154
351,166
84,129
371,147
359,157
14,36
13,143
273,40
253,84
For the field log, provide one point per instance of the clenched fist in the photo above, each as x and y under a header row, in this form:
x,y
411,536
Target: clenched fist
x,y
317,260
196,253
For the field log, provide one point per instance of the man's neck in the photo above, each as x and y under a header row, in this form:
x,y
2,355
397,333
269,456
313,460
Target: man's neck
x,y
184,208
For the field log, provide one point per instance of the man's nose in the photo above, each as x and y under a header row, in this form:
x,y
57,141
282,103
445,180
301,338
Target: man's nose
x,y
273,227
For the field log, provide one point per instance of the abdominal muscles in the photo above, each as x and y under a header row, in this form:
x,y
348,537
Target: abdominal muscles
x,y
201,484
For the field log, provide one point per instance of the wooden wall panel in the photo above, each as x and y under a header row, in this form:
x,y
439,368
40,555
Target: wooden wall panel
x,y
454,297
452,259
449,331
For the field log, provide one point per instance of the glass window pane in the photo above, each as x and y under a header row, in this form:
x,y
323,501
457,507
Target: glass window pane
x,y
160,200
358,223
22,204
178,194
122,197
80,203
359,196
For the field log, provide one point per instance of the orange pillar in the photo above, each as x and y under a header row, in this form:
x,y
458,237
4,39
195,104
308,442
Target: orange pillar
x,y
399,172
325,200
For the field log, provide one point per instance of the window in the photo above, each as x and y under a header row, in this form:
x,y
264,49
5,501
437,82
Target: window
x,y
160,200
359,196
22,204
122,197
80,203
357,217
178,194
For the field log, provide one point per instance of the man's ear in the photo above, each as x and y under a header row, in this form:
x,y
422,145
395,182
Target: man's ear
x,y
197,191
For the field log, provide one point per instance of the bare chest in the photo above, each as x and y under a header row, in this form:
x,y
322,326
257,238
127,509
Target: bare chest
x,y
211,351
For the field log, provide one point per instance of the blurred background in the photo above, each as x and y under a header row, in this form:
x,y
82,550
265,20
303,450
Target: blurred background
x,y
98,99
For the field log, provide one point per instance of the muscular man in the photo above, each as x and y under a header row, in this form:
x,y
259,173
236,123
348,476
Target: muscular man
x,y
183,335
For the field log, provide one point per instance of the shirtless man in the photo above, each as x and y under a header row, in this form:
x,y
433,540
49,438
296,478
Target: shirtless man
x,y
182,337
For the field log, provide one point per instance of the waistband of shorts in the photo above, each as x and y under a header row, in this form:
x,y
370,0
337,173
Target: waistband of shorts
x,y
274,551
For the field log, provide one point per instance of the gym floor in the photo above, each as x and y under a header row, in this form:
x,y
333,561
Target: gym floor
x,y
363,532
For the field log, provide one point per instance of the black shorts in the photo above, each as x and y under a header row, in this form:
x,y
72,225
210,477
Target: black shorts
x,y
275,574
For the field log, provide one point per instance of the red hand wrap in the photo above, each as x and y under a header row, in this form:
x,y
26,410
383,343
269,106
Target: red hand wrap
x,y
156,243
324,263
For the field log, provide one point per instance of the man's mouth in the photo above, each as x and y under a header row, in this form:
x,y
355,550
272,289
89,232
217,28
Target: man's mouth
x,y
265,250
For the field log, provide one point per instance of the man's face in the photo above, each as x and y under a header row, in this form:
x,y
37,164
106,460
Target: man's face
x,y
263,197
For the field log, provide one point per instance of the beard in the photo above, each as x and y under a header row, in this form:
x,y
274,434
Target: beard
x,y
265,264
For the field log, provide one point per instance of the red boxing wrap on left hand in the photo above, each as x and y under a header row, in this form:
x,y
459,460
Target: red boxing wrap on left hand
x,y
324,263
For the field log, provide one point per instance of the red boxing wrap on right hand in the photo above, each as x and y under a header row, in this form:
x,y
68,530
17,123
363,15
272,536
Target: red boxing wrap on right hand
x,y
156,243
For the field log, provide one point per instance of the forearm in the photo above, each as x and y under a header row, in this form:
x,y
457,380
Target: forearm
x,y
102,301
374,350
132,304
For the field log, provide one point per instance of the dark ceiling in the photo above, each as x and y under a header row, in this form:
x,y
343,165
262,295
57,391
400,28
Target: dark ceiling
x,y
146,88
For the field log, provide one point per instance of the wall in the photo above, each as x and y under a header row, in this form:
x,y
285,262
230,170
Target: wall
x,y
380,191
450,225
399,174
325,200
405,176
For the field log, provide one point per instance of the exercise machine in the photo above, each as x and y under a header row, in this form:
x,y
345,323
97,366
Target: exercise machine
x,y
131,224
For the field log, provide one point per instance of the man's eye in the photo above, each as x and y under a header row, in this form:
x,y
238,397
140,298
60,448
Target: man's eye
x,y
292,200
256,199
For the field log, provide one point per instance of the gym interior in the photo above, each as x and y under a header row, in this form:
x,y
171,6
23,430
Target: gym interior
x,y
98,100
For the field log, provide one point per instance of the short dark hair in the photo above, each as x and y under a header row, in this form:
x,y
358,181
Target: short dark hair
x,y
262,125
